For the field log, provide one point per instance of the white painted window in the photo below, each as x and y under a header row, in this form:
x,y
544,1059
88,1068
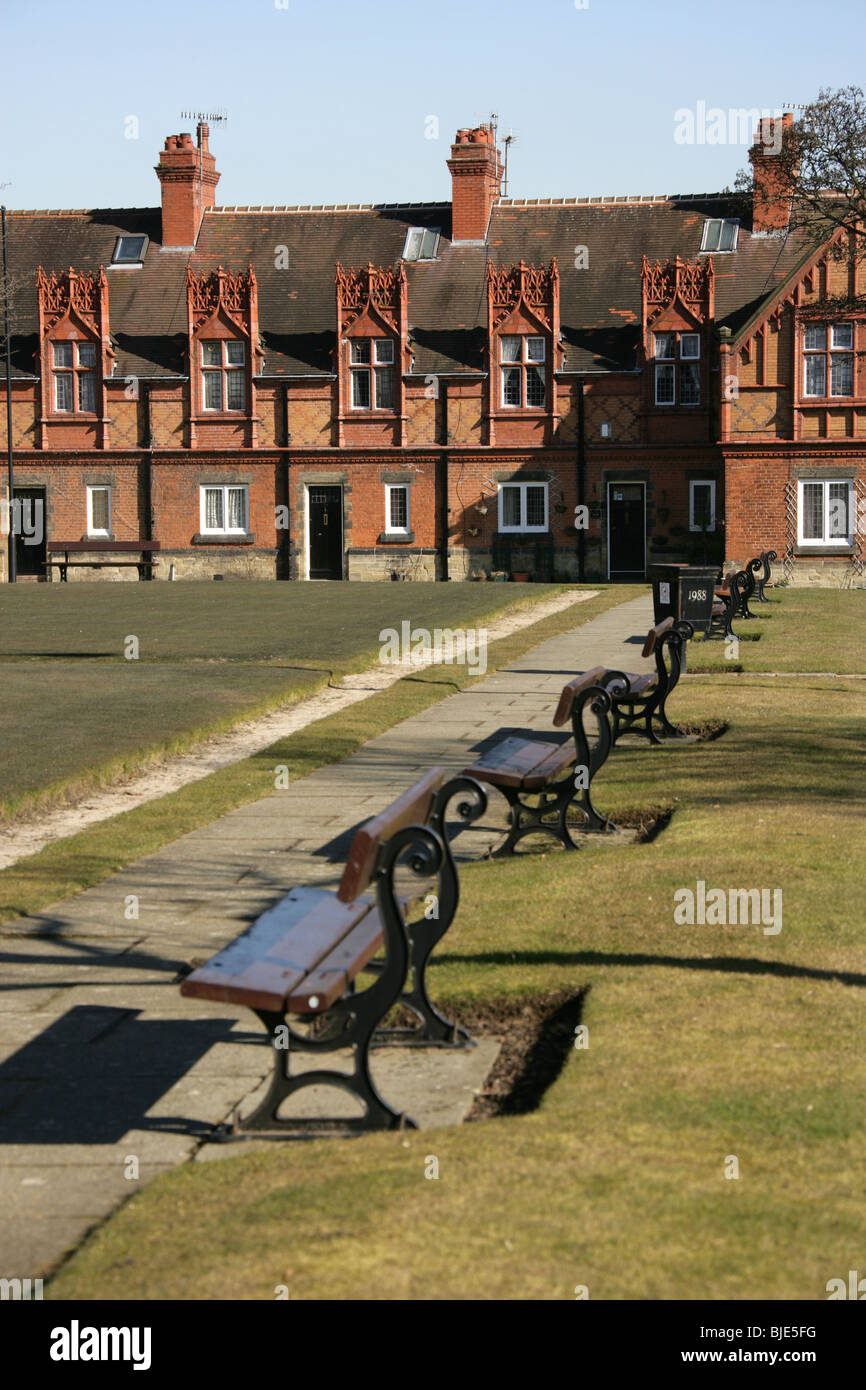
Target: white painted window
x,y
677,368
74,365
223,374
828,359
224,509
825,512
397,509
702,504
523,507
371,362
422,243
99,512
522,376
720,234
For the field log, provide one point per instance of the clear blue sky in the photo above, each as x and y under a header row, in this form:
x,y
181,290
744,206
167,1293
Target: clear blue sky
x,y
328,100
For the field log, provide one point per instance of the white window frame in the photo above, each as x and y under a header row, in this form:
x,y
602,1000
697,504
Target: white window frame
x,y
522,364
422,232
223,370
372,368
206,530
827,351
74,373
711,221
92,531
523,527
676,362
397,530
702,482
842,542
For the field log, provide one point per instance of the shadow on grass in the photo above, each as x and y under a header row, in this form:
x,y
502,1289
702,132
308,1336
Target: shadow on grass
x,y
730,965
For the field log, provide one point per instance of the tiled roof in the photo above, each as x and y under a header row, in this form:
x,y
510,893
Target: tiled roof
x,y
600,304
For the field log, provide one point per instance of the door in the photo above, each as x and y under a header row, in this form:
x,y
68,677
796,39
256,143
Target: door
x,y
28,520
626,531
325,532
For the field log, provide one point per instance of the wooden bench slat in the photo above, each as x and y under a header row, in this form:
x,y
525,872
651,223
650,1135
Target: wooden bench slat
x,y
511,761
412,808
566,699
552,766
263,965
100,547
637,682
332,976
654,634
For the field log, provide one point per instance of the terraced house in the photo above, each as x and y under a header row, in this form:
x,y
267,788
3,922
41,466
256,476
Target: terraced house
x,y
566,388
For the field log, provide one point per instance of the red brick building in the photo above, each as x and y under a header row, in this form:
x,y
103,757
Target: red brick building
x,y
569,387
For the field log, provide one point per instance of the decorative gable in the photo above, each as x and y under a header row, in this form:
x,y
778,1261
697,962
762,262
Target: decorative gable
x,y
372,304
73,309
524,299
222,306
676,296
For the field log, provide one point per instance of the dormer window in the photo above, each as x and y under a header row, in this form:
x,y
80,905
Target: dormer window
x,y
521,369
74,372
223,374
720,234
422,243
129,250
677,368
372,368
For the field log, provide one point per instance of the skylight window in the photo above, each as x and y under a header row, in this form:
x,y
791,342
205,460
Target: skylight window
x,y
129,250
422,244
720,234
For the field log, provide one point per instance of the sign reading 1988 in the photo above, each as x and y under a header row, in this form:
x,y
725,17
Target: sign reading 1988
x,y
697,594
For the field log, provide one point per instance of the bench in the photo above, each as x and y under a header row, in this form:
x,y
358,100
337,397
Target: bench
x,y
760,567
726,605
302,957
639,698
558,775
144,549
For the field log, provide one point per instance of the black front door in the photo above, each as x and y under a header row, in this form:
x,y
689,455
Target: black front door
x,y
326,532
28,521
626,531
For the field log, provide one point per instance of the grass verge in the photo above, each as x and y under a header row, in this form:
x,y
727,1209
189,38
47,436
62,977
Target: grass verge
x,y
707,1044
82,860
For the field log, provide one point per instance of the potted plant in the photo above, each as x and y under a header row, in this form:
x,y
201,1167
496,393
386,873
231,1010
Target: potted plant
x,y
520,576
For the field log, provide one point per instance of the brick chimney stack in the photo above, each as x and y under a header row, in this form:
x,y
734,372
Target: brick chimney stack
x,y
188,177
771,182
476,177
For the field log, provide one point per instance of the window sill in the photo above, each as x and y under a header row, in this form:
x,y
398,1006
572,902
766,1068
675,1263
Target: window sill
x,y
841,549
396,538
523,531
223,538
223,415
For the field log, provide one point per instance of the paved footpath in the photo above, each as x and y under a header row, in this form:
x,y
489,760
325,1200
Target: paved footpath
x,y
108,1076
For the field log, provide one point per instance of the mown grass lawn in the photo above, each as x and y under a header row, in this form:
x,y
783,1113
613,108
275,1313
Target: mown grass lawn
x,y
706,1044
796,630
89,857
77,712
